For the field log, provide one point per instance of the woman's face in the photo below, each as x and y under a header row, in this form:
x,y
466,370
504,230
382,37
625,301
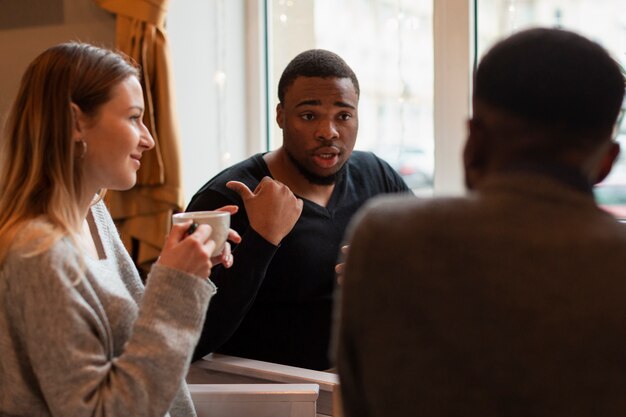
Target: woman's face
x,y
116,138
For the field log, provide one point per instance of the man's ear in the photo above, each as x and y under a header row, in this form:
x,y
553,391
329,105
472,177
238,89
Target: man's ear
x,y
607,161
475,153
280,115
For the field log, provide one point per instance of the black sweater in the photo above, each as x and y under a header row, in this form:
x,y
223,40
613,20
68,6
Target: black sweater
x,y
275,303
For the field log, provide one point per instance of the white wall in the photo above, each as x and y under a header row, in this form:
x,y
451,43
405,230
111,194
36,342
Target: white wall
x,y
210,85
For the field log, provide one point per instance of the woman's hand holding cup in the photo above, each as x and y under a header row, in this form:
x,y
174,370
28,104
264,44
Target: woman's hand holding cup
x,y
190,253
218,222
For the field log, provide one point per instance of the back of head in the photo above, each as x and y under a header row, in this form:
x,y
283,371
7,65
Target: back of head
x,y
556,81
315,63
40,173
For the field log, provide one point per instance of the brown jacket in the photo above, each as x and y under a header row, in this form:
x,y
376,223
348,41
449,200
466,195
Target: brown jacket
x,y
508,302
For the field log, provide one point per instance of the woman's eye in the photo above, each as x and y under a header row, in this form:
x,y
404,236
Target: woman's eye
x,y
135,118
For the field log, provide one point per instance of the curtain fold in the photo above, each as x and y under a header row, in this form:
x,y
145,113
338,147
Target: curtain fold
x,y
143,214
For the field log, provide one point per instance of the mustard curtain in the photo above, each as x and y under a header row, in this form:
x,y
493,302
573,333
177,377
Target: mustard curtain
x,y
143,214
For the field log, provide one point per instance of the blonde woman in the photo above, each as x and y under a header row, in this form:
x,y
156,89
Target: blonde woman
x,y
79,334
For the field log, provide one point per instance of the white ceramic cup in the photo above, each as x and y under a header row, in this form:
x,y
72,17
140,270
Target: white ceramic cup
x,y
218,220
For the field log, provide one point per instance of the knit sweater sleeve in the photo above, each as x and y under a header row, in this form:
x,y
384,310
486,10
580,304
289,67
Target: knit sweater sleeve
x,y
63,338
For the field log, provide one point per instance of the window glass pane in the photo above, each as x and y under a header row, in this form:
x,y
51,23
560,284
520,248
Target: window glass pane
x,y
389,45
603,21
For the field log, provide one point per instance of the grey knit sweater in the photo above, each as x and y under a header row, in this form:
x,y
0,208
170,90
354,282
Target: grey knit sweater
x,y
87,339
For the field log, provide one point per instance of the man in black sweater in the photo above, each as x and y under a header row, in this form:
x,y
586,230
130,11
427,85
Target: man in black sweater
x,y
275,303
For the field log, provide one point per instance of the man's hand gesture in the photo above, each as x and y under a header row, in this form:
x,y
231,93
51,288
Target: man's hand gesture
x,y
272,208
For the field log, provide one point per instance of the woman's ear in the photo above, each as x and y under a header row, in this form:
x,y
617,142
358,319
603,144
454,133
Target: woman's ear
x,y
78,122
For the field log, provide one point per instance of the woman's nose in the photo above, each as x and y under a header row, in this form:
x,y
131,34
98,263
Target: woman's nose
x,y
147,141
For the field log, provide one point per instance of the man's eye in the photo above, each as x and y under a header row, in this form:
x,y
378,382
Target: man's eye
x,y
307,116
345,116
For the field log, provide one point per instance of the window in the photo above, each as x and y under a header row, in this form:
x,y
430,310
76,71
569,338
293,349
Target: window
x,y
226,76
389,45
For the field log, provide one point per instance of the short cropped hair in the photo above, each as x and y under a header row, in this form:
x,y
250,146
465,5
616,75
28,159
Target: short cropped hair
x,y
315,63
555,79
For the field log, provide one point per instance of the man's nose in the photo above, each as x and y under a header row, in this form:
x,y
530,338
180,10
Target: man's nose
x,y
326,130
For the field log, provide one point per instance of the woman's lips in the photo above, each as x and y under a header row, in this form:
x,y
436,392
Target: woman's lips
x,y
136,159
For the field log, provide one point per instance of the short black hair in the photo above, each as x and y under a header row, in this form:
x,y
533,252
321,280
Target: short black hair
x,y
315,63
555,79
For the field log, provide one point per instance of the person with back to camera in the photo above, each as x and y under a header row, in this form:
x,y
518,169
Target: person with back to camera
x,y
275,304
79,334
508,301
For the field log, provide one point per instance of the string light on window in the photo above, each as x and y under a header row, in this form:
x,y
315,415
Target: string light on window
x,y
511,17
220,78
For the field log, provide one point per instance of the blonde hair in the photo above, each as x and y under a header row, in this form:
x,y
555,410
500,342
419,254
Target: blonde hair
x,y
40,170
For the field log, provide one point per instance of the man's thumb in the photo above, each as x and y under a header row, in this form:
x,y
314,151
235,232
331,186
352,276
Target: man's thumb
x,y
240,188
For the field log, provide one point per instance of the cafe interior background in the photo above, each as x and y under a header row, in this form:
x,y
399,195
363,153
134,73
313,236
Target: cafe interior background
x,y
414,60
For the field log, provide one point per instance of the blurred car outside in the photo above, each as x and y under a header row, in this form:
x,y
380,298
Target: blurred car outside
x,y
415,166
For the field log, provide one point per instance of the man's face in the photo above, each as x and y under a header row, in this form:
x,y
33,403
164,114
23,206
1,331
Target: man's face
x,y
319,120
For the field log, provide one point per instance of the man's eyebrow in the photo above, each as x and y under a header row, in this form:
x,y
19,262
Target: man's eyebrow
x,y
309,103
318,102
344,104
